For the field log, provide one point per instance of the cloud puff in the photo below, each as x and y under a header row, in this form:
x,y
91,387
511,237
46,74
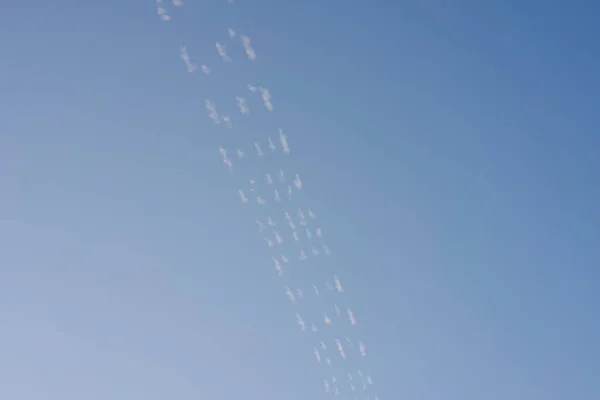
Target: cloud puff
x,y
369,380
326,249
241,102
243,197
226,159
315,251
362,348
308,234
231,33
316,290
300,322
277,196
327,387
329,363
177,3
314,328
252,88
311,214
277,266
351,317
162,12
271,222
240,154
296,237
317,355
337,310
205,69
327,320
289,220
183,54
269,179
260,200
340,348
290,294
271,145
284,142
261,226
281,175
227,121
298,182
289,192
302,255
248,48
319,232
301,216
259,151
212,112
284,259
337,284
278,238
222,50
269,242
266,96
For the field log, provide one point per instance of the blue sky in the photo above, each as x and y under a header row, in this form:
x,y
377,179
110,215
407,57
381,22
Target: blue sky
x,y
449,151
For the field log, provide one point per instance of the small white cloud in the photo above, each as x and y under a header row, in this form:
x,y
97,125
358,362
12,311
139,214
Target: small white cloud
x,y
301,216
241,102
317,355
260,201
289,192
349,341
227,121
302,255
300,294
259,151
319,232
298,182
290,295
261,226
177,3
315,251
240,154
349,376
284,259
243,197
183,54
338,312
351,317
281,176
329,363
296,237
271,222
326,249
369,380
278,238
314,328
352,387
316,290
300,322
277,197
248,48
266,96
212,112
271,145
362,348
252,88
222,50
308,234
338,284
311,214
231,33
226,159
277,266
269,179
340,348
327,387
205,69
162,12
323,346
284,142
327,320
269,242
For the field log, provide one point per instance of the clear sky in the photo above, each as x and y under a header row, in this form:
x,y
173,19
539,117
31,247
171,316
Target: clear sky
x,y
450,152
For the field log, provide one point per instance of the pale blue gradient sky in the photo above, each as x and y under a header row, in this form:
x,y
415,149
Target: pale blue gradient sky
x,y
451,151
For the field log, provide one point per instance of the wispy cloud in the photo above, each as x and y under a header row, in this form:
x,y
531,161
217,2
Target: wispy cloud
x,y
261,226
212,112
290,295
314,328
317,354
327,387
284,259
243,197
226,159
269,179
281,175
271,222
161,11
260,201
271,145
289,192
338,284
284,142
259,151
301,216
311,214
340,348
300,322
278,238
252,88
308,234
240,154
241,102
327,320
316,290
362,348
329,363
302,255
369,380
351,317
177,3
338,312
222,50
248,48
296,237
300,294
205,69
326,249
288,218
323,346
269,242
315,251
227,121
183,54
266,96
231,33
277,266
277,196
319,232
298,182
